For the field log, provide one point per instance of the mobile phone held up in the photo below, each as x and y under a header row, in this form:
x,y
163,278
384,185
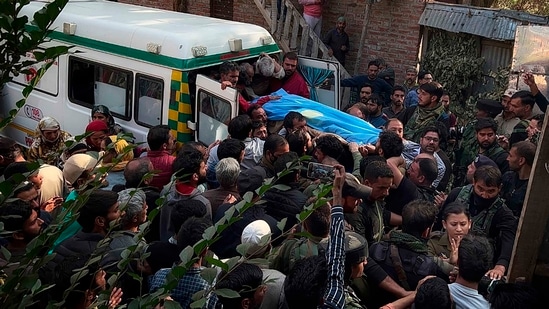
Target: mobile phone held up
x,y
320,171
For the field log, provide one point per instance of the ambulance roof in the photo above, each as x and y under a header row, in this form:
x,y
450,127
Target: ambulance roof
x,y
127,30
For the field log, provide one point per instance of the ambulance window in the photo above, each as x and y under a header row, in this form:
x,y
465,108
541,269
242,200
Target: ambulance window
x,y
93,83
214,107
148,100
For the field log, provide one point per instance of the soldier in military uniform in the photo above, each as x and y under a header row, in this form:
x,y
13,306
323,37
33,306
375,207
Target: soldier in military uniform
x,y
489,215
487,140
456,221
356,254
469,146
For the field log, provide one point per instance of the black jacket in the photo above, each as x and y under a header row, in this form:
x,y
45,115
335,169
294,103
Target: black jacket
x,y
285,204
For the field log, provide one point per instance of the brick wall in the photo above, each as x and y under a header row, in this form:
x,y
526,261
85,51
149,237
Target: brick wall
x,y
392,31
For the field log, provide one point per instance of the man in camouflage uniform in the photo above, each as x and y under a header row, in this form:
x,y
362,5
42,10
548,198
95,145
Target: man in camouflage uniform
x,y
487,140
428,111
489,214
469,146
356,254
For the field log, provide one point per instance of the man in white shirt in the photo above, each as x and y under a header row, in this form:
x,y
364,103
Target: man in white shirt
x,y
474,258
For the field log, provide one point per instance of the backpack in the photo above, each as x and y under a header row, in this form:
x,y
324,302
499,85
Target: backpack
x,y
413,266
293,250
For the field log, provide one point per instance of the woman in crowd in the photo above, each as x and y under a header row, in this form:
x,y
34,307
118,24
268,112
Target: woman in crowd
x,y
49,142
456,221
102,113
96,132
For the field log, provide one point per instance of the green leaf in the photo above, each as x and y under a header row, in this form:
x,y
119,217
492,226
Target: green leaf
x,y
232,262
248,197
281,187
186,255
78,275
242,249
41,19
36,285
259,261
179,271
200,246
198,295
229,213
112,280
170,304
216,262
19,104
209,233
209,274
5,252
281,224
199,303
227,293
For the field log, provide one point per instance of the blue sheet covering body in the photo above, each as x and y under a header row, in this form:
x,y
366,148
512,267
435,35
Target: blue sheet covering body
x,y
323,118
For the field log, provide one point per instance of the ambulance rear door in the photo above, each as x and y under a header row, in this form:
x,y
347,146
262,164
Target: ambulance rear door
x,y
214,109
324,74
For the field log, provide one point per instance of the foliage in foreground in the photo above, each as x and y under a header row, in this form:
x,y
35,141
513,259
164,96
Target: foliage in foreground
x,y
23,287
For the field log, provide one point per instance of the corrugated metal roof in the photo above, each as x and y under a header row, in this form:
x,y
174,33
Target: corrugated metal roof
x,y
496,24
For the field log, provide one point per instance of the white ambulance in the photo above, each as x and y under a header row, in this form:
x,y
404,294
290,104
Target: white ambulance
x,y
145,64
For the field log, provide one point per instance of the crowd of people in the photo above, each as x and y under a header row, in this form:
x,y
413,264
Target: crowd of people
x,y
424,217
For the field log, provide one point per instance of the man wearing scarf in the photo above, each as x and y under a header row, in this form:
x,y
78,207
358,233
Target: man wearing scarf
x,y
404,254
491,217
428,111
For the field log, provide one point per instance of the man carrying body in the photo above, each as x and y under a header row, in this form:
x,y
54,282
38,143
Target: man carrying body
x,y
429,143
416,185
365,93
293,83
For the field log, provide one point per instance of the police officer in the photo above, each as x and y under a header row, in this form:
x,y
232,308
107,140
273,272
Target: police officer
x,y
489,215
469,146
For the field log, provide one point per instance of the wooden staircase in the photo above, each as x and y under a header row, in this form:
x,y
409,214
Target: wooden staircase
x,y
292,32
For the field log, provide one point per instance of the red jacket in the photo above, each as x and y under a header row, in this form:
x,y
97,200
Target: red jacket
x,y
295,84
161,160
244,105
